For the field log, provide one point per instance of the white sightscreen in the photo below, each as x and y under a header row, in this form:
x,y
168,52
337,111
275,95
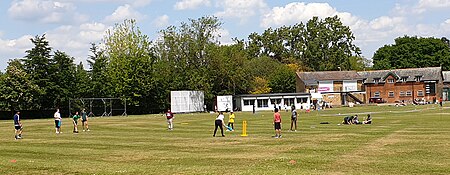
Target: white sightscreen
x,y
186,101
225,103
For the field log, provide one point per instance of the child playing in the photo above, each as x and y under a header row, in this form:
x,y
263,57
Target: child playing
x,y
84,120
169,116
75,118
277,123
231,120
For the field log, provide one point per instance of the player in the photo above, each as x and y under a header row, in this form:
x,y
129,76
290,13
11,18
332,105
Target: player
x,y
75,118
277,123
170,117
57,117
294,119
231,120
219,123
17,126
84,120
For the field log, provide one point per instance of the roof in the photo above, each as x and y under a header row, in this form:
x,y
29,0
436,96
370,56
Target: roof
x,y
311,78
446,76
426,74
274,94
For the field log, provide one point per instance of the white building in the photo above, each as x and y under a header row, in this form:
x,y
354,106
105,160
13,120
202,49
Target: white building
x,y
267,102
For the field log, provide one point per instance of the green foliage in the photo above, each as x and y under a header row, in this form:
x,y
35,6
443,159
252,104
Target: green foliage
x,y
282,80
130,67
320,44
17,90
413,52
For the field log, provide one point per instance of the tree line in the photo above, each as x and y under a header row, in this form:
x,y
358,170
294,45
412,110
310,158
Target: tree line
x,y
128,65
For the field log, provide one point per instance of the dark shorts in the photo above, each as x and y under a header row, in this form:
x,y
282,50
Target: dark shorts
x,y
294,118
83,120
57,124
17,127
75,122
277,125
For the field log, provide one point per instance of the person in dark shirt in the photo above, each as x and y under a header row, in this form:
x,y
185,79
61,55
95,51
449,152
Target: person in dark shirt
x,y
17,126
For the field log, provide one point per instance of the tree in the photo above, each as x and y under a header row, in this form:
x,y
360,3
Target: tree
x,y
320,44
37,64
413,52
99,84
186,53
63,79
130,67
17,89
282,80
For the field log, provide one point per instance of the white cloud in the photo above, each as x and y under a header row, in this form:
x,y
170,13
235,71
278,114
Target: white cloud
x,y
425,5
385,22
301,12
123,12
134,3
13,48
242,9
43,11
225,37
161,21
191,4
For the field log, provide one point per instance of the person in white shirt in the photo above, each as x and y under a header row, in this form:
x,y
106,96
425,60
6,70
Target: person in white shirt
x,y
219,123
57,117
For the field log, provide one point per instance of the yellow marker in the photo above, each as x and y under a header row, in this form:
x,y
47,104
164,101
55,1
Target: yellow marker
x,y
244,128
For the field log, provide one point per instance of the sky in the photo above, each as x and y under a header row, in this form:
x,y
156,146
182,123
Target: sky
x,y
71,25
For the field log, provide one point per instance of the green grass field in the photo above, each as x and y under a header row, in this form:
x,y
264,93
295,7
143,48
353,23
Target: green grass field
x,y
402,140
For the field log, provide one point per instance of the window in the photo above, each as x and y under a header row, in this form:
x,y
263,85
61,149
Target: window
x,y
275,101
263,103
402,93
391,80
302,100
376,94
249,102
391,94
408,93
430,88
376,80
289,101
420,93
404,79
418,78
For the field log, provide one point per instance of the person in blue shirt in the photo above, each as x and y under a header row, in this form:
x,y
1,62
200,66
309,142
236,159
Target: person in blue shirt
x,y
17,126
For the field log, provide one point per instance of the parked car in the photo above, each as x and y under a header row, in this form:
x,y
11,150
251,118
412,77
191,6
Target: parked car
x,y
376,100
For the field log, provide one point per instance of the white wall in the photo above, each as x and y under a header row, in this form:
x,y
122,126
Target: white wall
x,y
186,101
224,103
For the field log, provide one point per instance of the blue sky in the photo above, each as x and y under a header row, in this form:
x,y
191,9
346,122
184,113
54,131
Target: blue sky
x,y
70,25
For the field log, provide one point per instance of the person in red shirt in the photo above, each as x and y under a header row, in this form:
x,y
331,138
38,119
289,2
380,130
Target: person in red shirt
x,y
277,123
170,117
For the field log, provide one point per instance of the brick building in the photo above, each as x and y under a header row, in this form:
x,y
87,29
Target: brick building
x,y
403,85
336,87
380,86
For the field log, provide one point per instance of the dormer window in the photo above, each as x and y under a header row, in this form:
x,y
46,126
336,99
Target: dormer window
x,y
390,80
418,78
376,80
404,79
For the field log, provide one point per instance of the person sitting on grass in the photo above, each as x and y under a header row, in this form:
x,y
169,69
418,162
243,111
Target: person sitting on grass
x,y
75,118
356,120
368,120
348,120
219,123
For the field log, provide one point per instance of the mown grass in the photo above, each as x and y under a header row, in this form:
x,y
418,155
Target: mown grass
x,y
402,140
